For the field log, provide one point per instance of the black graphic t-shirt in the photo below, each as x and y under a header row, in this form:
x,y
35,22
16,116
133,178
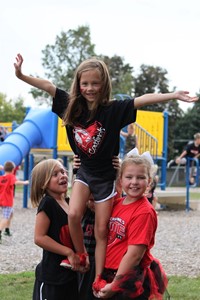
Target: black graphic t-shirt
x,y
192,150
49,269
88,230
97,141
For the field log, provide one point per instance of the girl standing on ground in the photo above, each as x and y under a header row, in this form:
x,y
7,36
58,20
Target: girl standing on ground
x,y
49,183
131,272
93,123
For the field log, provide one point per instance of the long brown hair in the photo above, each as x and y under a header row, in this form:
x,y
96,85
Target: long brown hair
x,y
77,104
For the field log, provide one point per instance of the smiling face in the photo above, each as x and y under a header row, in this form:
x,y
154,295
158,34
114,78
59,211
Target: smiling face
x,y
134,180
58,182
90,86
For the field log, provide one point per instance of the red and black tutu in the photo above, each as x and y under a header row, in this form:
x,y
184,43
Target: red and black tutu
x,y
139,283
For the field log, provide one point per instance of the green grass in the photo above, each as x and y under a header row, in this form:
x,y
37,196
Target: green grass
x,y
184,288
194,195
16,286
19,188
20,286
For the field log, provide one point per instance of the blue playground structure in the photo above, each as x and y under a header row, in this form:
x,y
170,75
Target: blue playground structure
x,y
40,130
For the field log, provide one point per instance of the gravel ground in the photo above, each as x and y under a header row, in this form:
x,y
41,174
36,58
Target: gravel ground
x,y
177,242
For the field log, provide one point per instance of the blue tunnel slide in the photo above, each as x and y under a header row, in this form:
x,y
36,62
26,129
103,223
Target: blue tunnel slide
x,y
38,130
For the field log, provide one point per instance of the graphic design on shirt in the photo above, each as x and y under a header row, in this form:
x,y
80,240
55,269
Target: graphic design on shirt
x,y
89,139
116,229
4,180
89,231
65,237
194,152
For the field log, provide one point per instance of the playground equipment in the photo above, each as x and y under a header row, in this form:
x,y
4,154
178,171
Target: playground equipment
x,y
41,132
180,199
152,131
188,185
32,133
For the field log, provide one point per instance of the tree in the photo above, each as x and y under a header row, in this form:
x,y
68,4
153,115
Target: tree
x,y
175,116
11,110
189,124
121,75
151,80
184,127
61,59
70,49
154,80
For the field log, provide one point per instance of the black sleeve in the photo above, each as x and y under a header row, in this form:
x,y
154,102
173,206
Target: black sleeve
x,y
60,102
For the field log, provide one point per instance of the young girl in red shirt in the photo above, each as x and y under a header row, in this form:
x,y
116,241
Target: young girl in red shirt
x,y
131,272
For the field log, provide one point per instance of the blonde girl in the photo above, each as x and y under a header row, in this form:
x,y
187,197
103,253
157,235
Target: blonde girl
x,y
131,272
49,182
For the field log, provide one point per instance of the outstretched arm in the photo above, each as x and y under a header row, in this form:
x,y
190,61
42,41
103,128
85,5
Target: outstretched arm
x,y
183,154
148,99
39,83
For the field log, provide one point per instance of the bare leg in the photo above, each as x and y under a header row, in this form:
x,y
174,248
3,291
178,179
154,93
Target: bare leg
x,y
4,223
102,215
77,205
9,221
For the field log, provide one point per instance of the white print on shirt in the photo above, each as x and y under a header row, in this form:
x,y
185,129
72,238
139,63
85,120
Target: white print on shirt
x,y
89,231
89,139
116,229
195,152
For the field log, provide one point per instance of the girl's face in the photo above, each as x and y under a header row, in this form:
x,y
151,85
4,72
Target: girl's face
x,y
90,86
134,181
58,183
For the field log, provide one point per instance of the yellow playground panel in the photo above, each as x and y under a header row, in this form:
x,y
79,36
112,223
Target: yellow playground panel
x,y
152,122
62,140
8,125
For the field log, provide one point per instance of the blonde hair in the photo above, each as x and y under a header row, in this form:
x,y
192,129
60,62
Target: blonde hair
x,y
40,177
137,160
77,103
197,136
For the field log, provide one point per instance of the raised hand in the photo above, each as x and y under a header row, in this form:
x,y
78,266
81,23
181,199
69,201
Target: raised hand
x,y
18,65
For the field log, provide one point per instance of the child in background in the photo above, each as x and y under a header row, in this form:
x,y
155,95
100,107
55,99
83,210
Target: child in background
x,y
7,229
191,150
93,123
49,184
7,185
131,139
150,192
131,272
86,279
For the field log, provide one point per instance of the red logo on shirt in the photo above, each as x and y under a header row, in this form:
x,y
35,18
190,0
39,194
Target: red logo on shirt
x,y
89,139
116,230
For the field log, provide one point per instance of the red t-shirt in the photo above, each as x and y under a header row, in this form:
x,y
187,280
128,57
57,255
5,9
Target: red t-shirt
x,y
130,224
7,189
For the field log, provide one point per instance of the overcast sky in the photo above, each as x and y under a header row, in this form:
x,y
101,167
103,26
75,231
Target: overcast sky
x,y
162,33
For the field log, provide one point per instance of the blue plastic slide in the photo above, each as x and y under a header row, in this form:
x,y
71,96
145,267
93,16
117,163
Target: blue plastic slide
x,y
38,130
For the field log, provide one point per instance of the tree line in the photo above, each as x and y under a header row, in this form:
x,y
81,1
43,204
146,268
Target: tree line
x,y
60,60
